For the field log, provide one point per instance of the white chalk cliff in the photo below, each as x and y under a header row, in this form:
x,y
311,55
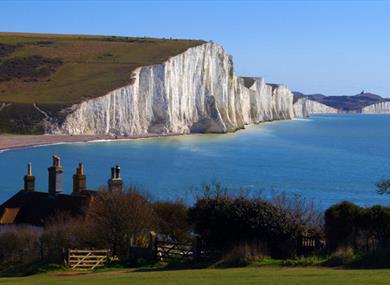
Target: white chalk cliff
x,y
195,91
378,108
304,107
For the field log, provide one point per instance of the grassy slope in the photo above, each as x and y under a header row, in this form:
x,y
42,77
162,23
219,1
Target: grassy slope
x,y
92,66
244,276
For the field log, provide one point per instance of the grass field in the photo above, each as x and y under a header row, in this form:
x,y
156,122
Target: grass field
x,y
56,71
91,65
244,276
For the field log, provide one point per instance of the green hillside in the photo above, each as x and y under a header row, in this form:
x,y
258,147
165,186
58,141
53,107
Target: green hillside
x,y
56,71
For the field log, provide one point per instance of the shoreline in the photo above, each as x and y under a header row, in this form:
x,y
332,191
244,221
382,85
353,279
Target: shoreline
x,y
11,141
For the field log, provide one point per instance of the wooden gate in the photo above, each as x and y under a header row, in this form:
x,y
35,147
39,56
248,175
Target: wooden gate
x,y
86,259
308,245
173,250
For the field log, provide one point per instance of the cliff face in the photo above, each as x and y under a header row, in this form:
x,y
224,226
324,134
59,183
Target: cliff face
x,y
195,91
304,107
379,108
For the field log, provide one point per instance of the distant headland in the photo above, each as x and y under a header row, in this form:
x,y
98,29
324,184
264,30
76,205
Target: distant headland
x,y
364,102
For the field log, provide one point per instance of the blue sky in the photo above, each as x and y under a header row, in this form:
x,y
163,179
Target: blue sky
x,y
332,47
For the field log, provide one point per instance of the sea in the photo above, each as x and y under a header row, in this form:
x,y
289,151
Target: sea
x,y
325,159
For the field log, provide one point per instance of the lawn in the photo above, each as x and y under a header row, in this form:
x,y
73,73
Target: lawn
x,y
248,275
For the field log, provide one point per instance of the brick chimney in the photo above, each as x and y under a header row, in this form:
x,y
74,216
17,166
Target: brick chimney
x,y
29,180
115,183
56,173
79,180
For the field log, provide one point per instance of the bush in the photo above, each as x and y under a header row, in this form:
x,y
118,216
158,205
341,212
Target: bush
x,y
366,229
172,220
63,232
313,260
19,244
243,254
304,212
121,219
343,256
223,221
341,225
375,223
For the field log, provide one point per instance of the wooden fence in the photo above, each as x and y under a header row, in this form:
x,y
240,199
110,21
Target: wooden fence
x,y
86,259
173,250
308,245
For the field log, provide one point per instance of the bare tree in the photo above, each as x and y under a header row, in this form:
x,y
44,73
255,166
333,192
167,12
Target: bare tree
x,y
121,218
383,186
305,212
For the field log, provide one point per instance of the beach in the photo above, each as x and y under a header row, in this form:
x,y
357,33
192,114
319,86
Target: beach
x,y
12,141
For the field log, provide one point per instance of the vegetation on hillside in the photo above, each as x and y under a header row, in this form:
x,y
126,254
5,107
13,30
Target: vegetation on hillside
x,y
56,71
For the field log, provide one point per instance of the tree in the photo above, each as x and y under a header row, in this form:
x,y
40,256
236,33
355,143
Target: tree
x,y
172,219
224,220
383,186
121,218
342,225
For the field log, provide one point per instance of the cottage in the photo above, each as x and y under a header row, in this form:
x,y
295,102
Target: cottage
x,y
36,208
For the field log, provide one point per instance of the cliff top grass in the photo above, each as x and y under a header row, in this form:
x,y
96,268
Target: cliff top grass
x,y
66,69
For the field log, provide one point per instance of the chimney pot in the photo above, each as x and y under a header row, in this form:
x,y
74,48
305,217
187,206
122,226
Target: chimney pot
x,y
55,176
79,180
117,171
29,169
115,183
29,180
56,161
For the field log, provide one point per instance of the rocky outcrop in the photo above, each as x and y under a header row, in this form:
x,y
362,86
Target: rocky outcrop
x,y
303,107
378,108
195,91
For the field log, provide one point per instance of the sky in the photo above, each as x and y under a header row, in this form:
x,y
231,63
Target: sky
x,y
329,47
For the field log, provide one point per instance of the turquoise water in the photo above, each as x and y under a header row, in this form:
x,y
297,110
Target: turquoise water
x,y
326,158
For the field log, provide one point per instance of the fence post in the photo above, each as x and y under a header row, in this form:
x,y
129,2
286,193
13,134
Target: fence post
x,y
196,248
41,250
153,245
65,256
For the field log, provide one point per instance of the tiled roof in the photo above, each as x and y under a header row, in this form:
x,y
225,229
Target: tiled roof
x,y
8,215
36,208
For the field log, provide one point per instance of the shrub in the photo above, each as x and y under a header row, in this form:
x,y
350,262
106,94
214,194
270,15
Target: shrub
x,y
172,220
342,256
63,232
19,244
121,219
224,221
375,221
341,225
348,225
304,212
243,254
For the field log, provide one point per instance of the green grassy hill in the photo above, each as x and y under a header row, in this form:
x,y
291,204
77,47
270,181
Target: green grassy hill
x,y
56,71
